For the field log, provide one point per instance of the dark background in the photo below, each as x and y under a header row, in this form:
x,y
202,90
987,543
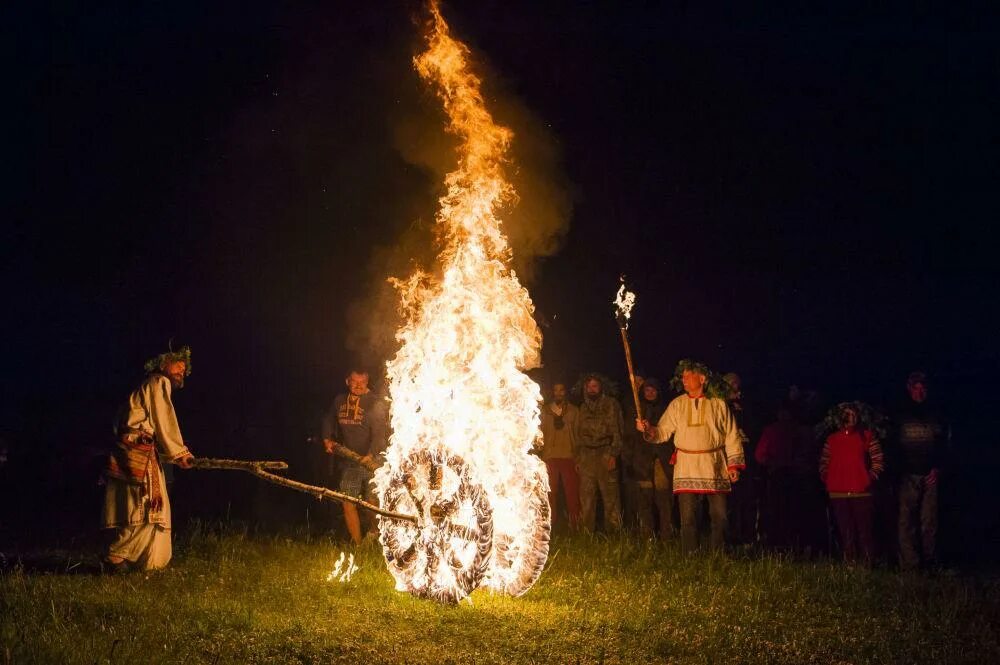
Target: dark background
x,y
800,196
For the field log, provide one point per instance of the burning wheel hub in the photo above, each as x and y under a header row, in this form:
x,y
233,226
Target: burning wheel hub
x,y
445,555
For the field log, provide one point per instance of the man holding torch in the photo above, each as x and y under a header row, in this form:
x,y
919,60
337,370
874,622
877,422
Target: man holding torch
x,y
709,451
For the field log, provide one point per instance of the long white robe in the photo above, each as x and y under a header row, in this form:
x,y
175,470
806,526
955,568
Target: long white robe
x,y
708,444
143,534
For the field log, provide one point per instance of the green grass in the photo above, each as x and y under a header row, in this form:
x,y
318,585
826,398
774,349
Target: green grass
x,y
232,598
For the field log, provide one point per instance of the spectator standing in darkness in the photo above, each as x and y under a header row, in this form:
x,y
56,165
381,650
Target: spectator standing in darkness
x,y
559,423
743,499
776,454
850,463
922,437
599,442
648,470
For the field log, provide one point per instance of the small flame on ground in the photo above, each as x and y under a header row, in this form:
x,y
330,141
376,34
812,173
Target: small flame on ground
x,y
343,569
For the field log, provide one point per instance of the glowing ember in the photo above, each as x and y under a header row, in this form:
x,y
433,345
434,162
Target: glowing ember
x,y
343,569
624,302
464,416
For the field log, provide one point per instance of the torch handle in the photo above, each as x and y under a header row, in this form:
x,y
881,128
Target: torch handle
x,y
347,453
341,450
631,372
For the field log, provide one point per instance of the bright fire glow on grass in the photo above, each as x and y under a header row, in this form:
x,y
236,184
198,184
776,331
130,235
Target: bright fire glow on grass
x,y
464,415
343,569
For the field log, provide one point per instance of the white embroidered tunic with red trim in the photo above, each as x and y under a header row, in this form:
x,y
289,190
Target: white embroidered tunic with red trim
x,y
707,441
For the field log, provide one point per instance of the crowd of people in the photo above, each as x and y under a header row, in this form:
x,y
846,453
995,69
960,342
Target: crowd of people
x,y
855,482
653,465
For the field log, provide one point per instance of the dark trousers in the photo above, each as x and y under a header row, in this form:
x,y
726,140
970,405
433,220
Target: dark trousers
x,y
654,510
918,503
742,506
811,534
854,517
596,477
652,503
780,509
688,505
564,469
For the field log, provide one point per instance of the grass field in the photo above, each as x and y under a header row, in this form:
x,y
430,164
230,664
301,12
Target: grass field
x,y
229,597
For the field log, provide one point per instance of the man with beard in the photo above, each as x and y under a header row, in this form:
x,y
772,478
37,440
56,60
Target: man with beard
x,y
599,442
357,421
708,452
646,468
136,504
559,421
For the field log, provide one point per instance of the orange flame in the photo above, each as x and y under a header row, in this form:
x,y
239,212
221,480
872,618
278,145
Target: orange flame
x,y
464,415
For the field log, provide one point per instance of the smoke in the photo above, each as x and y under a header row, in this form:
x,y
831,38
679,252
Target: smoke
x,y
535,224
374,318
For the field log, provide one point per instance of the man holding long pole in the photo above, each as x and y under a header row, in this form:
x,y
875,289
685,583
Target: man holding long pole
x,y
136,505
357,420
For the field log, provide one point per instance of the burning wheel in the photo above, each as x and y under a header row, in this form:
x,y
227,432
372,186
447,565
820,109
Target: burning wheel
x,y
518,562
445,555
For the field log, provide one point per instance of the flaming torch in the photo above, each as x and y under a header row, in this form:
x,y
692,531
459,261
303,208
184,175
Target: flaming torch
x,y
464,415
624,302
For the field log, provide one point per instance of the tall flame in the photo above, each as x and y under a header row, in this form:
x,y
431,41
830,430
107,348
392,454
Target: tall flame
x,y
464,415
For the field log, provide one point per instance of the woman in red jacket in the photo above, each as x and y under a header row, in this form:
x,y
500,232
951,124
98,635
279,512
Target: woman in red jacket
x,y
851,461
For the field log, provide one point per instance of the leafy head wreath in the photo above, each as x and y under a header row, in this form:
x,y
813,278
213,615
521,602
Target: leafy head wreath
x,y
608,387
715,386
182,354
868,416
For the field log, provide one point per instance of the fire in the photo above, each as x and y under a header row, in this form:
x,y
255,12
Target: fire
x,y
343,569
464,415
624,302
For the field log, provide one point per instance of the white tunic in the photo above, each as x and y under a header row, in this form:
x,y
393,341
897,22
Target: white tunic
x,y
149,410
707,440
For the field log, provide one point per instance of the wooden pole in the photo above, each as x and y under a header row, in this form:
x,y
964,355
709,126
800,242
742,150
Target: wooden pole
x,y
343,451
259,469
631,371
347,453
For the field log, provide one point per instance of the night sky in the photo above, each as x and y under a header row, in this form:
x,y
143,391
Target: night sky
x,y
800,197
